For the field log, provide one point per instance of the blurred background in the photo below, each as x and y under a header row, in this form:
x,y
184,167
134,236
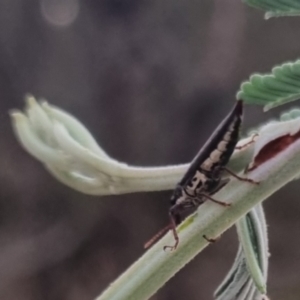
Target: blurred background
x,y
151,80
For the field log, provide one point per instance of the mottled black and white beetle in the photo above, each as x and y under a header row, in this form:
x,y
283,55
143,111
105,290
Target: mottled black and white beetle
x,y
204,176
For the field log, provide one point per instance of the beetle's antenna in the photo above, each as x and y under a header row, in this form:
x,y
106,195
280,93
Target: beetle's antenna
x,y
157,236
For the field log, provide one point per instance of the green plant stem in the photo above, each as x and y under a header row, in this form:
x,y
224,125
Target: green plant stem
x,y
156,266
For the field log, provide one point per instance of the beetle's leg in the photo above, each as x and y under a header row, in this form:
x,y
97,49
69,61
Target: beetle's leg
x,y
248,143
221,184
239,177
174,217
210,240
214,200
174,220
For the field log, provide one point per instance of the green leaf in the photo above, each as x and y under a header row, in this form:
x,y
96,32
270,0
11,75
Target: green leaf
x,y
271,90
276,8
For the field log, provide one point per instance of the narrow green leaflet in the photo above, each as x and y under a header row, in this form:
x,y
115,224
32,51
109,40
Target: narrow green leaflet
x,y
271,90
290,115
247,278
276,8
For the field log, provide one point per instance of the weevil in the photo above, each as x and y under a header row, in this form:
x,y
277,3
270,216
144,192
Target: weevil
x,y
205,177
